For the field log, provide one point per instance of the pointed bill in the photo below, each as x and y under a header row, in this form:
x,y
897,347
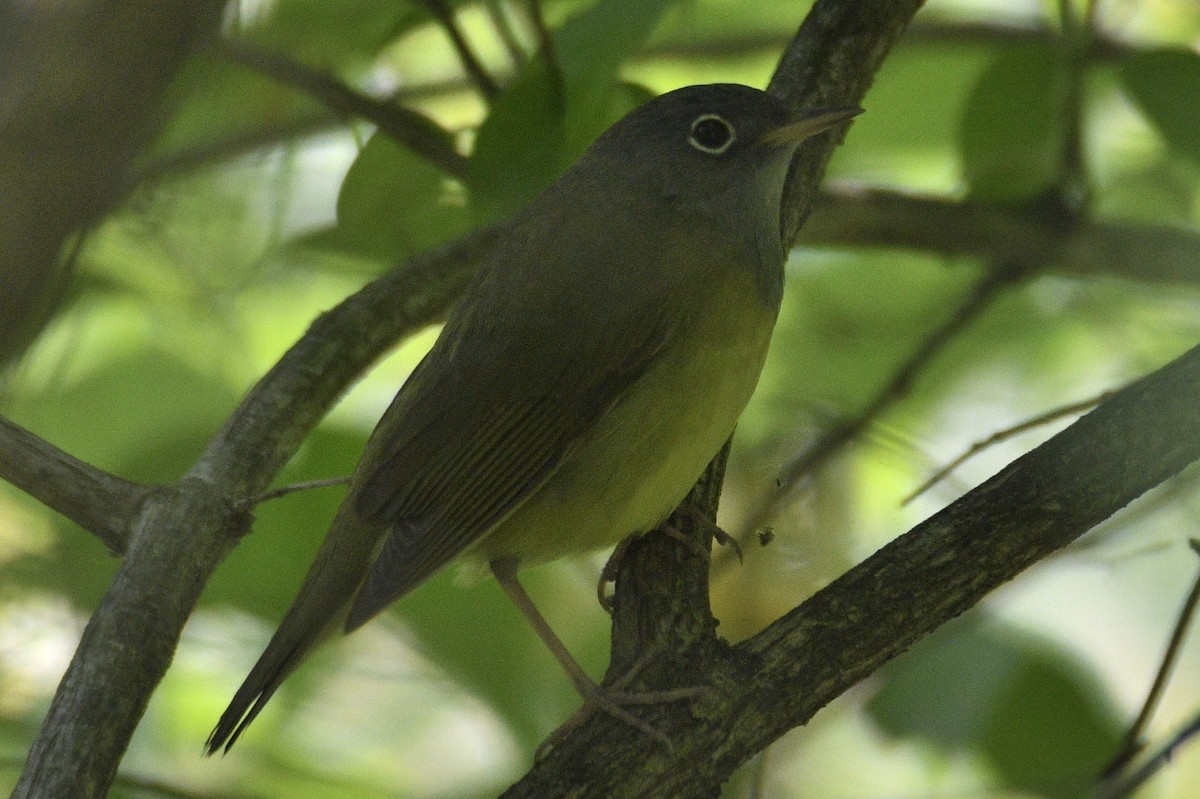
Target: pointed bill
x,y
810,123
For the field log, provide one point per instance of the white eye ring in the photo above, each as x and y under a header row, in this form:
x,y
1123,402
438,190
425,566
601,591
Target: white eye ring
x,y
704,134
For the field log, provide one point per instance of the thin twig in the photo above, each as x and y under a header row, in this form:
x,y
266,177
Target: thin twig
x,y
1132,743
414,130
547,49
502,24
1000,436
283,491
833,439
1153,764
1072,182
483,81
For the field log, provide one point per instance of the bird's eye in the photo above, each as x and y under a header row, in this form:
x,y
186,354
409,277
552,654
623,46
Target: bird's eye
x,y
711,134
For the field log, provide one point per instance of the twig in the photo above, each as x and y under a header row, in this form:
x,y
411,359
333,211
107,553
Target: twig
x,y
549,54
504,31
283,491
483,81
1152,765
833,439
415,131
1003,435
99,502
1132,743
1072,182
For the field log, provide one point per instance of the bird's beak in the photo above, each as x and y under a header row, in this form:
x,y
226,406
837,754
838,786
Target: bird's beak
x,y
808,124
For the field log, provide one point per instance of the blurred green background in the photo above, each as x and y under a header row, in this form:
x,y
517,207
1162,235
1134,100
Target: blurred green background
x,y
257,209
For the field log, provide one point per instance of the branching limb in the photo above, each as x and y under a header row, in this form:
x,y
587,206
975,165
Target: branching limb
x,y
182,531
97,501
777,680
411,129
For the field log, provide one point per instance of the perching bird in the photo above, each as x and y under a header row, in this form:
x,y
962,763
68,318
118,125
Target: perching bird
x,y
593,367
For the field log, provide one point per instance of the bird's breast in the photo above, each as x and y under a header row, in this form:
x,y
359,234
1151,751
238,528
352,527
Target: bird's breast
x,y
642,456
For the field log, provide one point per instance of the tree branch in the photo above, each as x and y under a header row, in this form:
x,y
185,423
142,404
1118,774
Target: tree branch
x,y
97,501
1005,234
415,131
661,603
777,680
182,531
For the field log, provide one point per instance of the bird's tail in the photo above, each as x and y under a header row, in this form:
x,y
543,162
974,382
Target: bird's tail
x,y
318,611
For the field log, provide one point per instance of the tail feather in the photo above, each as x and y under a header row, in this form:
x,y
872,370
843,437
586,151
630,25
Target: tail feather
x,y
275,664
318,610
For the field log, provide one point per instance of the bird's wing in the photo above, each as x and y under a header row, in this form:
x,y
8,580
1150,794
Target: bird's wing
x,y
469,438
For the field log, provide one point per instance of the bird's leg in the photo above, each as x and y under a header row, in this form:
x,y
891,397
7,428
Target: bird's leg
x,y
505,570
594,697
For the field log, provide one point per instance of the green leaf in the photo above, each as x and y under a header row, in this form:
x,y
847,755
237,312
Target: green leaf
x,y
538,127
1165,84
393,202
325,33
1014,128
1028,708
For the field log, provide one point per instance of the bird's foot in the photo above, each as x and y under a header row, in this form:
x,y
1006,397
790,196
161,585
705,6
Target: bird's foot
x,y
719,535
614,700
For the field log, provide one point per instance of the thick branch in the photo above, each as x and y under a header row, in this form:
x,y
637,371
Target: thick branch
x,y
662,593
183,531
92,498
831,61
1135,440
1005,234
779,679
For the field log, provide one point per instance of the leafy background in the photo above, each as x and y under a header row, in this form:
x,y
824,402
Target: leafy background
x,y
257,208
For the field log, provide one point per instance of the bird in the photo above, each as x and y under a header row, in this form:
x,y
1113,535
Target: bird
x,y
595,363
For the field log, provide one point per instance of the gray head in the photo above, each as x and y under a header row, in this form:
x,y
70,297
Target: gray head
x,y
720,151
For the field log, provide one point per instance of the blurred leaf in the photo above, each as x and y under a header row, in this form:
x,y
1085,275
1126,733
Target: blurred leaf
x,y
533,133
1014,126
393,203
218,102
329,33
1032,711
1166,86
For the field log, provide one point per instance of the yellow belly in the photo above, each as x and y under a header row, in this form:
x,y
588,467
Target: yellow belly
x,y
643,456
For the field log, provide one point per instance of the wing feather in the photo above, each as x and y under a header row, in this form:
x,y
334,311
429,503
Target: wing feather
x,y
465,443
